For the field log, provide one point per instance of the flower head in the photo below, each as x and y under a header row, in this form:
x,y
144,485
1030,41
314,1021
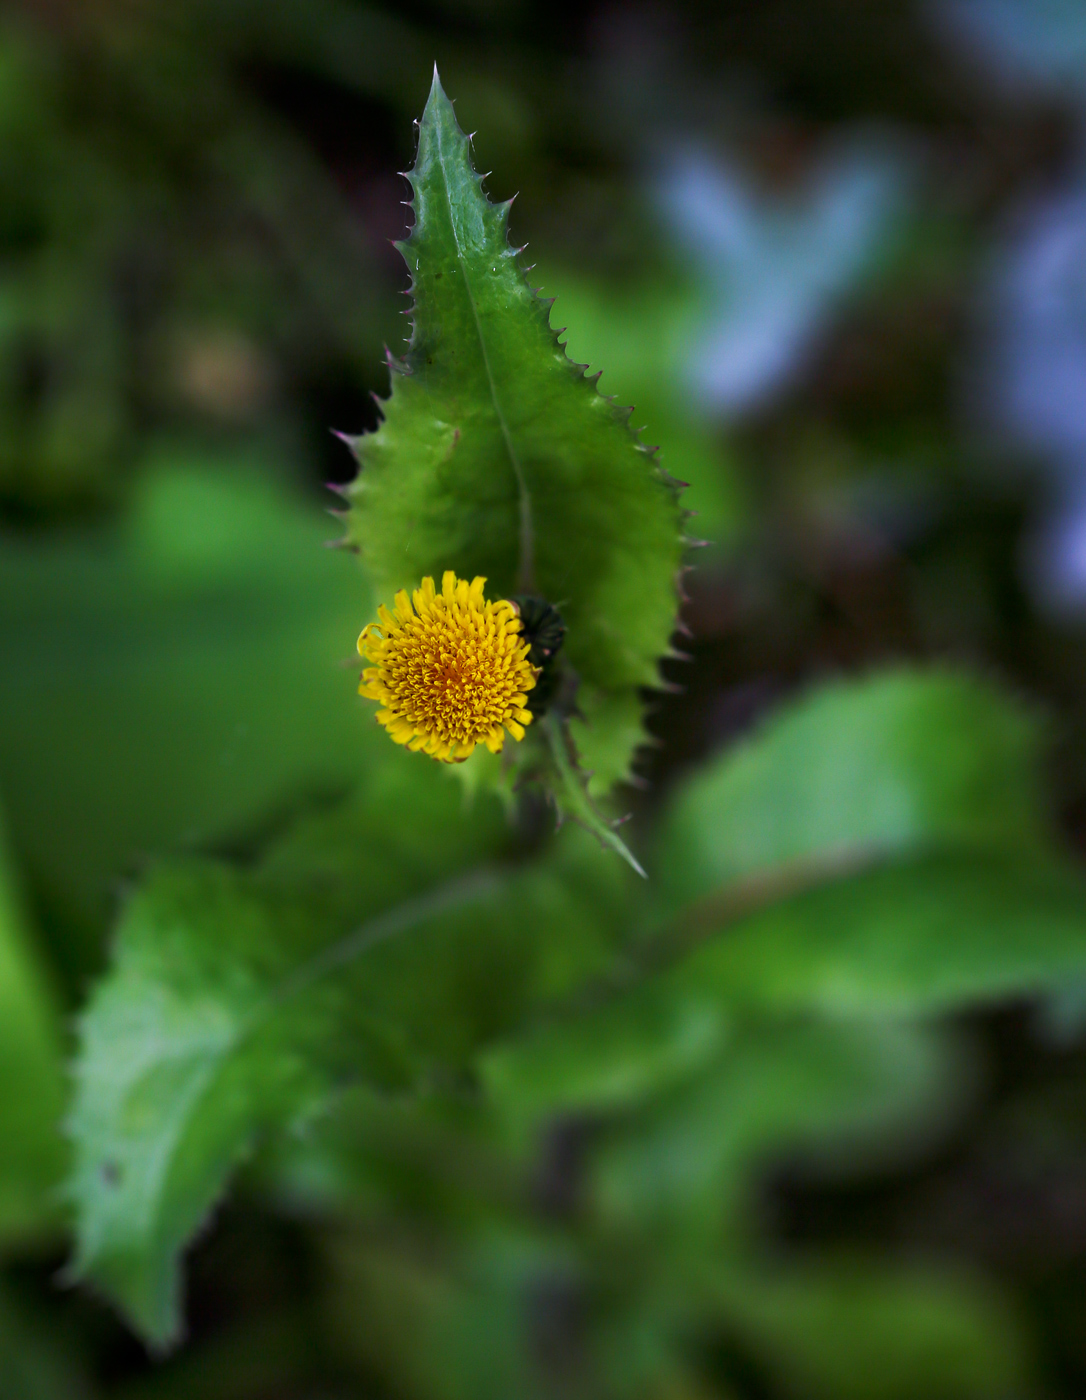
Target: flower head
x,y
450,672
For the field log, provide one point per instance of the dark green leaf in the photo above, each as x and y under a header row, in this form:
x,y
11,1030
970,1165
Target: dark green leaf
x,y
901,761
905,939
368,944
918,938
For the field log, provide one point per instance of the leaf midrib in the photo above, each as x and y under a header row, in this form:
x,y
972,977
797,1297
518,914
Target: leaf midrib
x,y
526,562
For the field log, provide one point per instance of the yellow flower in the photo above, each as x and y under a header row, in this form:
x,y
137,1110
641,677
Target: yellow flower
x,y
450,672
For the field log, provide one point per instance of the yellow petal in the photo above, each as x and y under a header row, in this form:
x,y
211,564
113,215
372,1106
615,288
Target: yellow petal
x,y
424,597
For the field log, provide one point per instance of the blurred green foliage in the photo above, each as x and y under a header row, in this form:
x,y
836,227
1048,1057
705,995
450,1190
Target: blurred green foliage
x,y
169,679
171,249
32,1160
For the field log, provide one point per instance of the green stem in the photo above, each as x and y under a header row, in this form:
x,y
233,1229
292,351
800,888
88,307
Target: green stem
x,y
574,794
399,919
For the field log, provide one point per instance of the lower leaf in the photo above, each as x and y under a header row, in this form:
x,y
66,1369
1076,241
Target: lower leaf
x,y
237,999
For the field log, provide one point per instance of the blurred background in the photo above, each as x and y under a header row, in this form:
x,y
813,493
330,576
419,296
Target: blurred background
x,y
834,251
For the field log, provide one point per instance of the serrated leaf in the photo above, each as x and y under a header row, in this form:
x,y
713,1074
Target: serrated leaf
x,y
198,1041
899,762
918,938
174,1078
497,457
354,950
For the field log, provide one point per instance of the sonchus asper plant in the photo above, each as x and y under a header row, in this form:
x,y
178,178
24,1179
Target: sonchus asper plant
x,y
499,461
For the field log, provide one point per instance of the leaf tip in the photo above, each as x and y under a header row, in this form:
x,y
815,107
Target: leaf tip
x,y
437,103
